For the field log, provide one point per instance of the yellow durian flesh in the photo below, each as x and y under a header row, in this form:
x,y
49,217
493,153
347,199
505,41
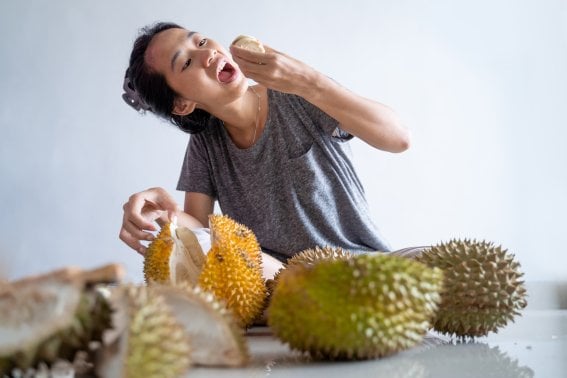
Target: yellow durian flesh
x,y
174,256
483,287
233,269
364,307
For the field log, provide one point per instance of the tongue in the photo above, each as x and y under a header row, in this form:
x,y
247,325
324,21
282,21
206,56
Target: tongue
x,y
224,75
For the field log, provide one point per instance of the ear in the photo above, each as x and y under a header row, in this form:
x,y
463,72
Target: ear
x,y
183,107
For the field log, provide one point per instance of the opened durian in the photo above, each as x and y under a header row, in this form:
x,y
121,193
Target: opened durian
x,y
174,256
483,287
233,269
216,338
53,316
147,340
364,307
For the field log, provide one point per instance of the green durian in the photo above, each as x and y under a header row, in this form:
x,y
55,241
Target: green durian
x,y
483,287
147,339
310,256
364,307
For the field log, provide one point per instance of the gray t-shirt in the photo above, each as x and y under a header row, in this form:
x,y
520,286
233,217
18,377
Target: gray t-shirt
x,y
296,187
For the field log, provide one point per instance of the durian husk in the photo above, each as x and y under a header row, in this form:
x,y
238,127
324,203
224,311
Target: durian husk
x,y
364,307
174,256
483,287
212,329
148,341
52,316
233,269
309,257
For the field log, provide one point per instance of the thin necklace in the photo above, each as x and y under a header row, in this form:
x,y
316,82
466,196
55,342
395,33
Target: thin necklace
x,y
257,118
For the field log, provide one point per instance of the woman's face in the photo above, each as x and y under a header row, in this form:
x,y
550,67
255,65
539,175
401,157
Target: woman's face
x,y
200,70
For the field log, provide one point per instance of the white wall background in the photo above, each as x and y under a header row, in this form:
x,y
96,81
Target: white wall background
x,y
482,85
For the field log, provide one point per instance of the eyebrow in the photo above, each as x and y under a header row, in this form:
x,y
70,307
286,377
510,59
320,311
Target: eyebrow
x,y
189,35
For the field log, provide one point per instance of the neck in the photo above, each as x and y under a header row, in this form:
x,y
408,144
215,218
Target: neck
x,y
243,119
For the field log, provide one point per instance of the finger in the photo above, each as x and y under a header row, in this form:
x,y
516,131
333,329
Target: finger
x,y
137,233
132,242
164,201
253,70
133,212
248,55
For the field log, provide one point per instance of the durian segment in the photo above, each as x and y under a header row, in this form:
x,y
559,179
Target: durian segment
x,y
32,312
483,287
249,43
213,331
152,344
52,316
174,256
233,269
364,307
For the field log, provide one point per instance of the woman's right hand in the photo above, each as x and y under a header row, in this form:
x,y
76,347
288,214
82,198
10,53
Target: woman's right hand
x,y
141,213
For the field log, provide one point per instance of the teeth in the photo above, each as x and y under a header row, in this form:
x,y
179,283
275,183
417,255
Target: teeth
x,y
221,66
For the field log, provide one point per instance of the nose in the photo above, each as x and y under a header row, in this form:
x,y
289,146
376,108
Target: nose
x,y
208,56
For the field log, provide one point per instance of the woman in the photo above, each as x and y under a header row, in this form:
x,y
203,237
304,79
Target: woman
x,y
273,155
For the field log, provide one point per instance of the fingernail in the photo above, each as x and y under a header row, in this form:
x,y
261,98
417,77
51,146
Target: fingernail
x,y
142,251
150,237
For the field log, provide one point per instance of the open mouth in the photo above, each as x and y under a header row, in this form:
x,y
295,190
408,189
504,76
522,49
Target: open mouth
x,y
226,72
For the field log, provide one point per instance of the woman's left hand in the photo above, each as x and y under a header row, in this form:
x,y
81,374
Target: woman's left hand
x,y
275,70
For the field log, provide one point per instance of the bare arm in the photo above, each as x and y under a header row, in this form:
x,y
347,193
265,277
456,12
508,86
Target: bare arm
x,y
199,206
366,119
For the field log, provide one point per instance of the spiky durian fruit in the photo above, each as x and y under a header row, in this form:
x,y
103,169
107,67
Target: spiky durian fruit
x,y
148,340
174,256
364,307
233,269
212,329
53,316
309,257
483,287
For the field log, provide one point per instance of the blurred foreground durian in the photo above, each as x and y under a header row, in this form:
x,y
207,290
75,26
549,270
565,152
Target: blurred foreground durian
x,y
147,340
216,338
483,287
233,269
52,317
174,256
364,307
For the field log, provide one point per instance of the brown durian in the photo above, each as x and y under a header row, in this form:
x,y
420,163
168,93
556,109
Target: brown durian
x,y
483,287
233,269
174,256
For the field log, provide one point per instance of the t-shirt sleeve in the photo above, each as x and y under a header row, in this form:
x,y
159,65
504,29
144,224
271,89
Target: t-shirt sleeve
x,y
328,124
195,174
